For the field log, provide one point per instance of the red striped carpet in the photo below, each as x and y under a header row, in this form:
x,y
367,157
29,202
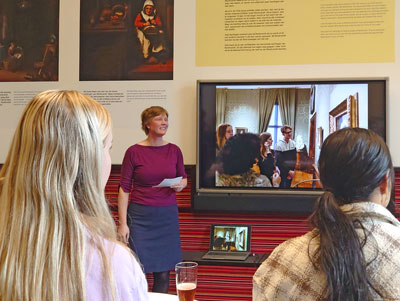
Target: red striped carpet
x,y
231,283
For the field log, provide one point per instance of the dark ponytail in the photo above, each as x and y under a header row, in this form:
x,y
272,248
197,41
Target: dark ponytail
x,y
353,163
340,254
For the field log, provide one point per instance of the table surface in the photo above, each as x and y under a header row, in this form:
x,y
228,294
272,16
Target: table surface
x,y
162,297
254,260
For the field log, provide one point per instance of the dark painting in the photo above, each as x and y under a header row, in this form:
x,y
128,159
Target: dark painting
x,y
29,31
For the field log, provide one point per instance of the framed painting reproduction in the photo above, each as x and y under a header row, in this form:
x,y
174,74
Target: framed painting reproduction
x,y
312,99
242,239
345,114
240,130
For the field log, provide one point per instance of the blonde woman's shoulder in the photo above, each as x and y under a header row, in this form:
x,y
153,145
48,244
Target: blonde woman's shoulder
x,y
129,280
129,276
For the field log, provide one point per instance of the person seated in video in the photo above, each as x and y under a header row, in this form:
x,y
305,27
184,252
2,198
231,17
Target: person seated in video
x,y
285,156
224,132
14,59
219,243
266,160
230,241
238,163
151,36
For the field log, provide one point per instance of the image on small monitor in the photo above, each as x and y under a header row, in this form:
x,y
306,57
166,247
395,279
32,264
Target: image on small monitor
x,y
230,238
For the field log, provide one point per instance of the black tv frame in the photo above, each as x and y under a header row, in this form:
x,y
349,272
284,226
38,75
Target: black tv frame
x,y
273,201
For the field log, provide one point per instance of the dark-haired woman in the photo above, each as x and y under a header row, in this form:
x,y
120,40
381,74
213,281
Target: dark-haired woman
x,y
238,160
353,252
266,161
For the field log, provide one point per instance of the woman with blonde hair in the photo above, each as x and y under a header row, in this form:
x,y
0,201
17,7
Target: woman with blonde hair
x,y
57,238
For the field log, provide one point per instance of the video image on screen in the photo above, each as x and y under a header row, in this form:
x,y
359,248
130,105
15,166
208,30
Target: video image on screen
x,y
248,161
271,136
230,238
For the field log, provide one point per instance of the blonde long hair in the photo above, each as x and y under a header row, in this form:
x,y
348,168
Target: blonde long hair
x,y
52,200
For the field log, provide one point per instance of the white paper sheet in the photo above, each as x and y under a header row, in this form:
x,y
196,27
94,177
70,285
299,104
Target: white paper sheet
x,y
169,182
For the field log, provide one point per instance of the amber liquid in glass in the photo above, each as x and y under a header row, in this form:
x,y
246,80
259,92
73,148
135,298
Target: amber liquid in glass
x,y
186,291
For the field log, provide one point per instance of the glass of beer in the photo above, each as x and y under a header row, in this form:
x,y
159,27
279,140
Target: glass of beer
x,y
186,280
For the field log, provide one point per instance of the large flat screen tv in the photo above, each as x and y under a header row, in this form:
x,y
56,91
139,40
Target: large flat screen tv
x,y
311,108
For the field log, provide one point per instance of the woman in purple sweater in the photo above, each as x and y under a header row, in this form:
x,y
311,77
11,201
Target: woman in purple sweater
x,y
149,220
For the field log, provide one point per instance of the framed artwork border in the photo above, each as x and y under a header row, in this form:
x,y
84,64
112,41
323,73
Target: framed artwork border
x,y
320,136
348,106
242,238
312,100
241,130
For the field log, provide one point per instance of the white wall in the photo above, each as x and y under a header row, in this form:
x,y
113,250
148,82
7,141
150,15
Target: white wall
x,y
242,109
342,92
328,97
181,102
184,35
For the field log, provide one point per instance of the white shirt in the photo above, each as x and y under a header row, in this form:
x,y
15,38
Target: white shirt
x,y
283,146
